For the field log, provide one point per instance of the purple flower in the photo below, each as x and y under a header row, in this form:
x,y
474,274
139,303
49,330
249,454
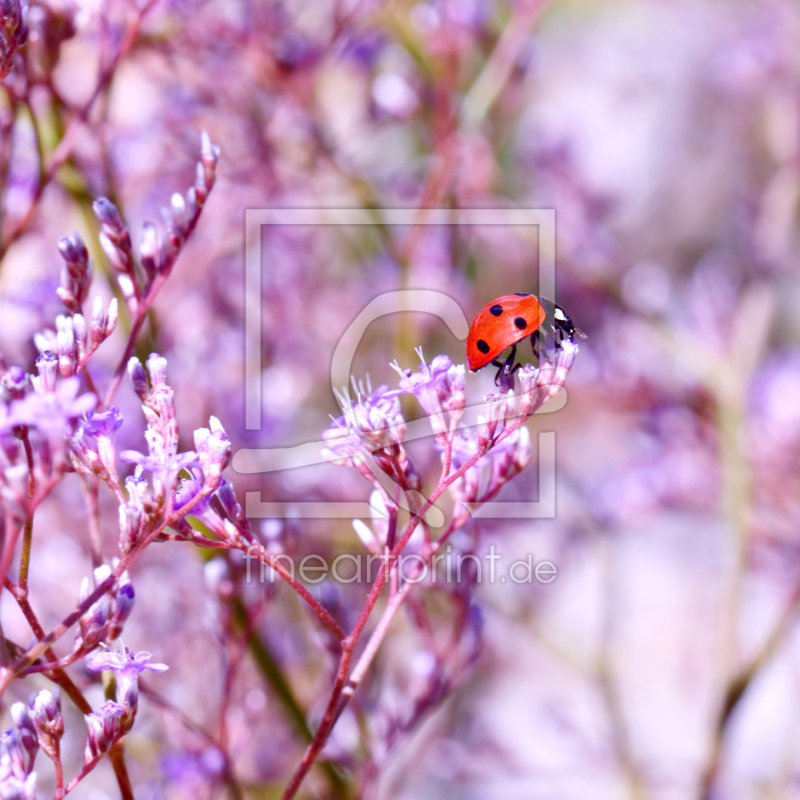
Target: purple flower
x,y
188,489
76,274
47,715
103,423
163,465
374,421
26,732
52,412
104,727
14,382
213,448
47,368
438,386
126,668
14,784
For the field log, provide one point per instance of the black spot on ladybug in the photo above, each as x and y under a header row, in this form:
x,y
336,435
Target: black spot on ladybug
x,y
482,346
522,294
496,310
521,323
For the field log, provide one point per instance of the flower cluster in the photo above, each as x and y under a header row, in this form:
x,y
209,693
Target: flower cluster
x,y
157,254
372,428
115,718
41,725
495,443
50,426
76,274
439,388
162,459
501,446
104,620
35,429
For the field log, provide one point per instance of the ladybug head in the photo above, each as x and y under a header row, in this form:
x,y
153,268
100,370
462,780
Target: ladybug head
x,y
557,324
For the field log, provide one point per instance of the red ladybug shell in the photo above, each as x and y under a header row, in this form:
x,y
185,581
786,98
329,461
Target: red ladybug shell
x,y
500,324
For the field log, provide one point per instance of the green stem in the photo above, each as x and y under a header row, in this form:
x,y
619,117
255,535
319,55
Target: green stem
x,y
270,669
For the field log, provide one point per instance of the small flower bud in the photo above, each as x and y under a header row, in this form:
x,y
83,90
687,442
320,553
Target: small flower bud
x,y
123,605
130,520
79,326
113,315
75,255
138,378
14,382
157,370
14,752
127,288
150,249
76,275
46,366
213,447
47,713
26,731
103,728
67,349
178,210
114,237
114,256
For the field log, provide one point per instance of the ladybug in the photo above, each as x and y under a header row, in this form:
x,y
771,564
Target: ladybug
x,y
506,321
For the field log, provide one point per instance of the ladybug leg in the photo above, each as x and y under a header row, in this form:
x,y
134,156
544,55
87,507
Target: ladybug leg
x,y
500,367
505,374
509,367
505,368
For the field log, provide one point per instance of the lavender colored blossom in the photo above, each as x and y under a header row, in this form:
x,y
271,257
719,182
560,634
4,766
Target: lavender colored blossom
x,y
157,370
123,605
439,387
188,489
47,368
26,732
104,728
138,378
213,448
15,785
48,717
159,255
114,236
374,421
103,423
76,274
126,667
53,411
105,619
372,427
164,466
14,382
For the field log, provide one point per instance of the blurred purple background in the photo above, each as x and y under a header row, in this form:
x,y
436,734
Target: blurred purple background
x,y
667,138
